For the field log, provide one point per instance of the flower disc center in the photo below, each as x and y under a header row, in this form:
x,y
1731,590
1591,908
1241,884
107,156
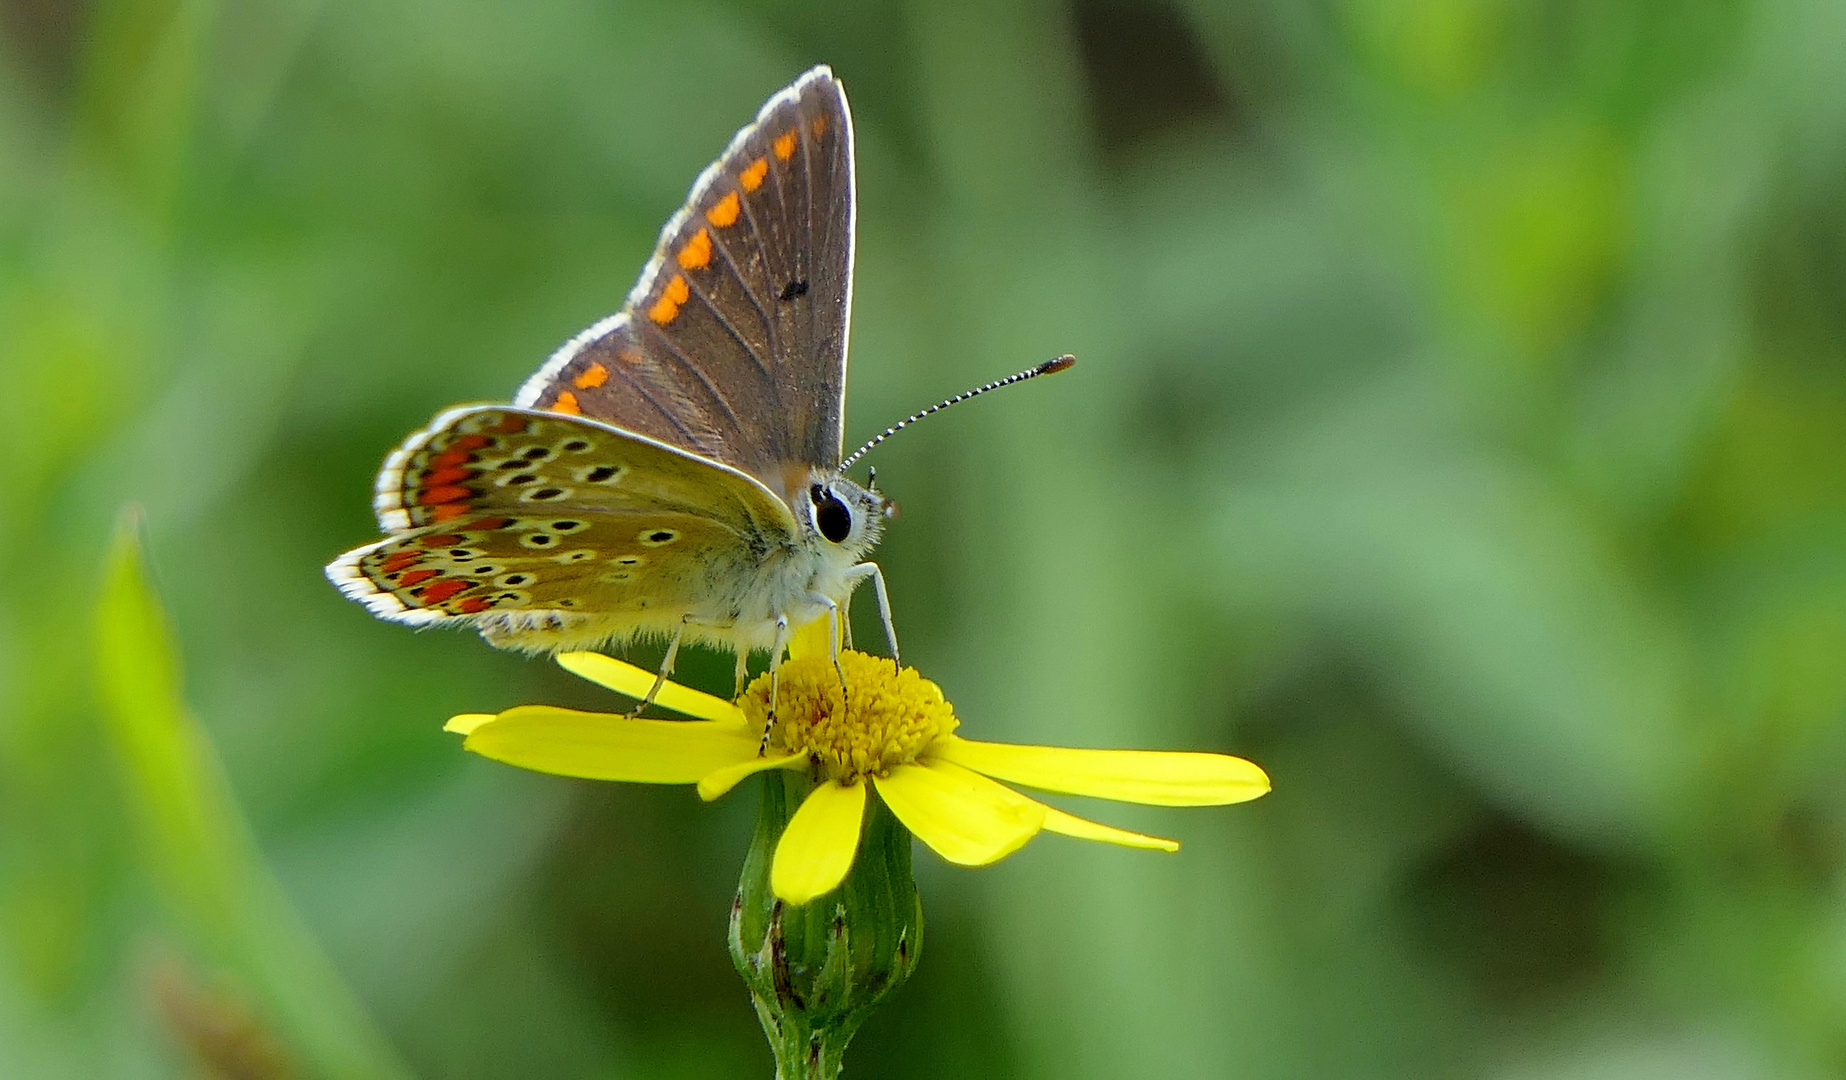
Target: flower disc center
x,y
883,716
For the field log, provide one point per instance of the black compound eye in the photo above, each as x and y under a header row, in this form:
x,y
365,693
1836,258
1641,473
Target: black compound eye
x,y
830,514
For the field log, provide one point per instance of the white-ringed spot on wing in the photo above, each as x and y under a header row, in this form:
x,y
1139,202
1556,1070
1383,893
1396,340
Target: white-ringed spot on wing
x,y
509,580
538,540
656,537
464,554
564,525
544,494
517,479
600,474
579,555
484,569
574,446
510,598
536,453
618,575
630,560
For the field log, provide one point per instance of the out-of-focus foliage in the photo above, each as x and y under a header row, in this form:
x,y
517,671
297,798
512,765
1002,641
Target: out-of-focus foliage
x,y
1460,432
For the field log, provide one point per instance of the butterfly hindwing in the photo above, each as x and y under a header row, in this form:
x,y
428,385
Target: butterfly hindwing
x,y
499,509
522,580
733,343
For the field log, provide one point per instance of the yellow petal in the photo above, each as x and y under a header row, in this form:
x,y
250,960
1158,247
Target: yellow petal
x,y
1058,821
1143,776
715,784
598,746
814,639
967,818
630,681
817,848
465,723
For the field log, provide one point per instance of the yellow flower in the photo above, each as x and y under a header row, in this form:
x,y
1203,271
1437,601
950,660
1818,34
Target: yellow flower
x,y
888,728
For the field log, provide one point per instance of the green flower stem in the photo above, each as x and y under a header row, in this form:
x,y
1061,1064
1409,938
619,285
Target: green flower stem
x,y
815,972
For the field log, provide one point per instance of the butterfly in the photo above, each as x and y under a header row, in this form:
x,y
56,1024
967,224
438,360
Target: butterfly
x,y
673,472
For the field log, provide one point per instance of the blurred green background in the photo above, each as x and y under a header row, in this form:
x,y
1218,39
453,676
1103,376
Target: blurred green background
x,y
1460,432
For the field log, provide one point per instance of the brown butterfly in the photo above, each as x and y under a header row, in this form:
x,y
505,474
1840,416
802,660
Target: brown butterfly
x,y
675,470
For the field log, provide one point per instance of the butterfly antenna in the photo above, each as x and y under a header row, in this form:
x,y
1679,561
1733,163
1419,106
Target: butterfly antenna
x,y
1046,368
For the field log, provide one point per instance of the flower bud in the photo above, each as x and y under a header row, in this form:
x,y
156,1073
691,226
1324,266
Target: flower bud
x,y
817,970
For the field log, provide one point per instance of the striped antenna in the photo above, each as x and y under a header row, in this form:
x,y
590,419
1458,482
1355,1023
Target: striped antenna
x,y
1046,368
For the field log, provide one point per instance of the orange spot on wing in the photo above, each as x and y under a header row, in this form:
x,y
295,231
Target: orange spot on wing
x,y
442,590
784,146
819,126
630,356
566,403
593,376
400,561
724,213
666,309
474,605
451,511
696,255
443,494
453,456
436,477
418,577
510,424
752,177
468,442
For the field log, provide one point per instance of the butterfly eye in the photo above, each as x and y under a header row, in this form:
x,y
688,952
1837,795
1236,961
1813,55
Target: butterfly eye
x,y
830,514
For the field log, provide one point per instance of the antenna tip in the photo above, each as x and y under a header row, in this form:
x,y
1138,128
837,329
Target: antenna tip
x,y
1052,366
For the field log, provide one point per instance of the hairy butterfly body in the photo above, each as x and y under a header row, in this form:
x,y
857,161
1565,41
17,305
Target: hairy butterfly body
x,y
674,470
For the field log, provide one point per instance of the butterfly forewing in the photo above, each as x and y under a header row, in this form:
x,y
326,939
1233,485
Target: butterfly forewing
x,y
733,343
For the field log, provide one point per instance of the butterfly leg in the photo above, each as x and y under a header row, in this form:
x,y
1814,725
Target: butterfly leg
x,y
775,681
666,669
870,570
833,624
743,673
